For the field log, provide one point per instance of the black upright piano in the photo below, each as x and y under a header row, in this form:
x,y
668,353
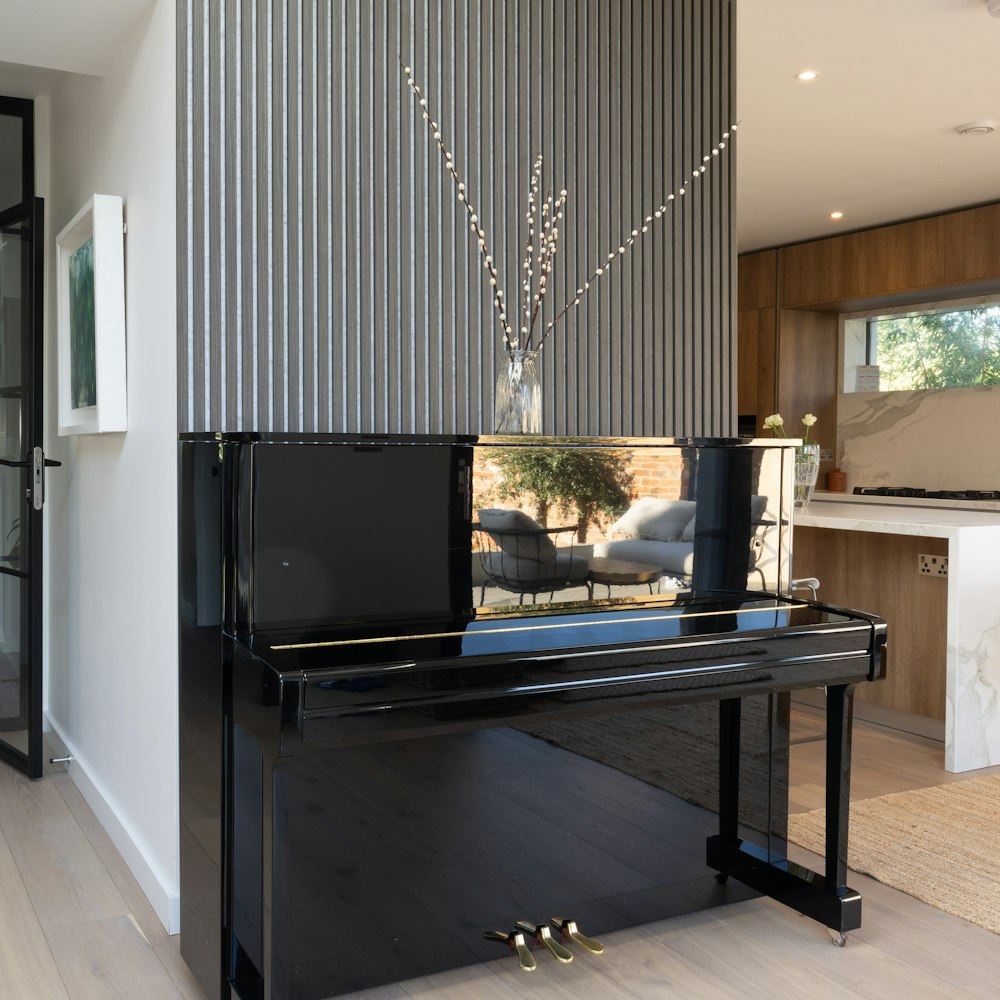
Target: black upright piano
x,y
431,687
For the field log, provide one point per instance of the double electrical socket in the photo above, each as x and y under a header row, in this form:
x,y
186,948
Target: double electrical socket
x,y
932,565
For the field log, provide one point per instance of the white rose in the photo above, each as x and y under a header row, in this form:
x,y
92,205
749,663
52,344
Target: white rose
x,y
774,421
809,419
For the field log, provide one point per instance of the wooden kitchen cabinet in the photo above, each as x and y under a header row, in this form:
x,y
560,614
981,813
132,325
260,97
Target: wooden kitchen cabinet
x,y
877,573
790,298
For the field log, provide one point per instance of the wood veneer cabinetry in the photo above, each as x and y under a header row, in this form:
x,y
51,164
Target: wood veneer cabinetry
x,y
757,280
757,360
789,360
757,366
807,365
940,251
878,573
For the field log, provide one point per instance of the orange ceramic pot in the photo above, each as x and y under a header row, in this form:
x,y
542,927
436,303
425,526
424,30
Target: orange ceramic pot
x,y
836,481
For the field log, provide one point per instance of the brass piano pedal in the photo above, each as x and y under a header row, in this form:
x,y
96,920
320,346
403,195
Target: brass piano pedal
x,y
542,933
516,942
571,931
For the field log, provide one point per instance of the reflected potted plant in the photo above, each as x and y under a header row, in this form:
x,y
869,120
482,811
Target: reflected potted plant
x,y
580,483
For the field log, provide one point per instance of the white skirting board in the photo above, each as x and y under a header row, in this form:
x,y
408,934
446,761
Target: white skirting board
x,y
163,896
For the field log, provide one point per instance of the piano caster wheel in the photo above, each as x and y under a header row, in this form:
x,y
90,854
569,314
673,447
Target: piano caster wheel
x,y
839,939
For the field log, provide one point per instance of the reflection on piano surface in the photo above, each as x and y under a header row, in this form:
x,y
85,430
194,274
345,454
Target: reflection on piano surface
x,y
410,754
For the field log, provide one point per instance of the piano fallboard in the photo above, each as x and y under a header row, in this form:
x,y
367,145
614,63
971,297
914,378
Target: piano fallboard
x,y
365,683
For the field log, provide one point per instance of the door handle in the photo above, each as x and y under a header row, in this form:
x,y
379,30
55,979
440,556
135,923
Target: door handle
x,y
50,463
38,465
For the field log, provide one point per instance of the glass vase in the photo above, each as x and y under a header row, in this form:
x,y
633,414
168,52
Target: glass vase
x,y
806,472
517,402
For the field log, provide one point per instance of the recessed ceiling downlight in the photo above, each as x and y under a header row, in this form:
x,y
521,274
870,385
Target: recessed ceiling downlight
x,y
975,128
836,215
807,74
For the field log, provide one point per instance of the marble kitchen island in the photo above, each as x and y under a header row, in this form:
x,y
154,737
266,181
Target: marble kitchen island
x,y
971,534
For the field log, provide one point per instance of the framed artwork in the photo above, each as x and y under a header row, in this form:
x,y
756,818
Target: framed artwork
x,y
91,293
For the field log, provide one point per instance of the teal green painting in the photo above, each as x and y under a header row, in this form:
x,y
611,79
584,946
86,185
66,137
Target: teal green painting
x,y
82,327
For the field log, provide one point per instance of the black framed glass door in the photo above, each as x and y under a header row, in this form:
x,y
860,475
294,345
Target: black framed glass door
x,y
21,459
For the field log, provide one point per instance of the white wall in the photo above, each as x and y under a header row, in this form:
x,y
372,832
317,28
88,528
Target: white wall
x,y
111,657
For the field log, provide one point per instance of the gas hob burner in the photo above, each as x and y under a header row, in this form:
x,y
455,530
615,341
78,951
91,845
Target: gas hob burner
x,y
916,492
889,491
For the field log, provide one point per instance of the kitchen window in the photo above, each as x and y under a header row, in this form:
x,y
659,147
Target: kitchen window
x,y
923,348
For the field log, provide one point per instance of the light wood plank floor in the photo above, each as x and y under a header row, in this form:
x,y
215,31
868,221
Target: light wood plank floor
x,y
74,923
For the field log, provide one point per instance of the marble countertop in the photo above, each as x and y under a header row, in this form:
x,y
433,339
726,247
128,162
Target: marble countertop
x,y
895,519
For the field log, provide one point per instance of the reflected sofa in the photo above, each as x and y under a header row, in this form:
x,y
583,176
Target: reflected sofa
x,y
661,533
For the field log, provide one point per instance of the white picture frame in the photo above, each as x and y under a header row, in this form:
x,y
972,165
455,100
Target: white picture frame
x,y
90,275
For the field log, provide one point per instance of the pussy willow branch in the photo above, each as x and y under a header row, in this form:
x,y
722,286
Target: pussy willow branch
x,y
488,263
548,234
536,179
635,234
550,241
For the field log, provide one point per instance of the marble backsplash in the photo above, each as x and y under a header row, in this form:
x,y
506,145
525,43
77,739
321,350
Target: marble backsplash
x,y
935,438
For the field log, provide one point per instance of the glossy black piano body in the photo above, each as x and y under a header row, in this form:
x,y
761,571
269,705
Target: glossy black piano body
x,y
376,769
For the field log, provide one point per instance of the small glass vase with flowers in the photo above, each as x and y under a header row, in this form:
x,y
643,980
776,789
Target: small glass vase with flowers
x,y
524,322
806,457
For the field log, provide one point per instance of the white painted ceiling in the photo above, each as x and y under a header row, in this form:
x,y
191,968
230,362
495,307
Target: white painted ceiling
x,y
873,136
77,36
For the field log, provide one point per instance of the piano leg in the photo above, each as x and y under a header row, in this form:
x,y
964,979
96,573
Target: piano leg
x,y
729,774
729,768
839,716
826,898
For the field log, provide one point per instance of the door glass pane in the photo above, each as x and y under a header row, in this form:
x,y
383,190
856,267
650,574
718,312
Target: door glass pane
x,y
11,446
12,487
11,162
13,246
13,689
16,668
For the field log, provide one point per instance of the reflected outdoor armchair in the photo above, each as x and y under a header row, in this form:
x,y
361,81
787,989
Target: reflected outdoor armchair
x,y
518,555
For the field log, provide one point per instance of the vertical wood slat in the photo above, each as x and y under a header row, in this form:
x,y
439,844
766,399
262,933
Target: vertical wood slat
x,y
328,277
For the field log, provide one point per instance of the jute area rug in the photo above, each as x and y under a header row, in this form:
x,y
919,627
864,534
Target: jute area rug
x,y
940,844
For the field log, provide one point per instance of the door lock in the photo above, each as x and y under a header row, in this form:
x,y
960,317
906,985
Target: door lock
x,y
38,465
37,478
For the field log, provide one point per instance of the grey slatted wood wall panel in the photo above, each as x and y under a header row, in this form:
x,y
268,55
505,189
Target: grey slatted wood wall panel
x,y
328,277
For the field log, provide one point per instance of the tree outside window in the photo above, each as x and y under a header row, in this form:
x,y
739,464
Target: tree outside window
x,y
941,350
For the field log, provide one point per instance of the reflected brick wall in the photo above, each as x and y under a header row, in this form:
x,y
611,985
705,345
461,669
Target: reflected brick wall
x,y
665,475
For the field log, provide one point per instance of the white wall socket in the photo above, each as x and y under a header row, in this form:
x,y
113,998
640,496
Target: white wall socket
x,y
932,565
